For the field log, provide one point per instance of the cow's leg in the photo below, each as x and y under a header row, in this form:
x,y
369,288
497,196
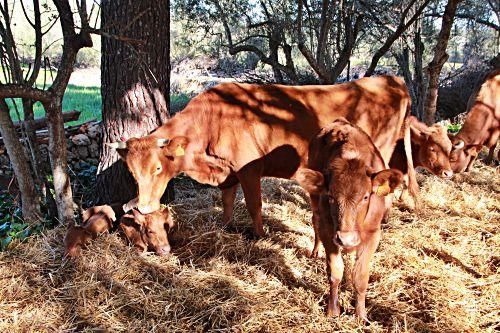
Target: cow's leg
x,y
250,183
471,163
228,196
334,271
315,223
361,271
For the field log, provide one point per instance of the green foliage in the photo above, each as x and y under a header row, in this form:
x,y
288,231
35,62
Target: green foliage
x,y
12,225
84,99
178,102
454,128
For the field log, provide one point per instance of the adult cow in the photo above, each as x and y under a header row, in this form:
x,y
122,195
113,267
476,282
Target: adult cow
x,y
237,133
430,147
481,126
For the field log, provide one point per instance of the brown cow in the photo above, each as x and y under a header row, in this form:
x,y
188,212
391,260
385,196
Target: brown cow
x,y
349,178
237,133
148,231
97,220
481,127
430,147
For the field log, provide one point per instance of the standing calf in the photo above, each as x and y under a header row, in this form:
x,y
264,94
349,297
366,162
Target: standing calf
x,y
349,179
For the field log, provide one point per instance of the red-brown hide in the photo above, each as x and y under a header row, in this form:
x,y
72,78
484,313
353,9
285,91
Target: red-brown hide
x,y
349,186
481,126
237,133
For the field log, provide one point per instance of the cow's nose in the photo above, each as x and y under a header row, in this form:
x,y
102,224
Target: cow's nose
x,y
347,239
447,173
163,251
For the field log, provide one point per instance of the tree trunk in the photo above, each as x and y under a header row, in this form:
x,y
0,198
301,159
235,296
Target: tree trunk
x,y
30,201
440,57
135,86
58,152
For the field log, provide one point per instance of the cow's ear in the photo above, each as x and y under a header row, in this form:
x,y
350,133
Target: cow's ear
x,y
175,147
138,217
473,150
386,181
120,147
312,181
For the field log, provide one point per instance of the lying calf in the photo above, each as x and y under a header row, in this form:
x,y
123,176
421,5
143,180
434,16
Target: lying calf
x,y
96,220
348,177
148,231
143,231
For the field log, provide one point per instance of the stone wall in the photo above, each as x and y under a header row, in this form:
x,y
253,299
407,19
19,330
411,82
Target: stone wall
x,y
83,148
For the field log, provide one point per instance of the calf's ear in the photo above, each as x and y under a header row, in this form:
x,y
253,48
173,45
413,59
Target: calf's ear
x,y
386,181
133,234
175,147
473,150
312,181
139,218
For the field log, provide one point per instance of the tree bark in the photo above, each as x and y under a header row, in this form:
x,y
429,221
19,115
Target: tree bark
x,y
30,202
439,59
135,86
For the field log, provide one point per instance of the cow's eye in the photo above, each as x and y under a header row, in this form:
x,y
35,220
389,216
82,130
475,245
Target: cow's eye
x,y
431,148
158,169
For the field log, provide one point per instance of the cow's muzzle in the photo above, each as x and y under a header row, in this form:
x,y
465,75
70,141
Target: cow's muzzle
x,y
347,239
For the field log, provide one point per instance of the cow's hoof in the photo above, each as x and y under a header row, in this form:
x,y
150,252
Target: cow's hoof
x,y
313,254
333,312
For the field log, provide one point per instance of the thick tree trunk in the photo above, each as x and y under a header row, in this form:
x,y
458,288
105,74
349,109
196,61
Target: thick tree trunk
x,y
30,201
135,86
440,57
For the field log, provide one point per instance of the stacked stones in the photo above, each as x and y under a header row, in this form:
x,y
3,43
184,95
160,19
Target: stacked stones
x,y
83,148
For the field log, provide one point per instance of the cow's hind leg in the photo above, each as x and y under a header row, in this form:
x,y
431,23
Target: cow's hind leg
x,y
361,271
228,196
249,178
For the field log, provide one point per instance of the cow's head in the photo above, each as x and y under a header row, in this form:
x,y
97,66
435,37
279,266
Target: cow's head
x,y
148,232
350,184
434,148
152,162
462,153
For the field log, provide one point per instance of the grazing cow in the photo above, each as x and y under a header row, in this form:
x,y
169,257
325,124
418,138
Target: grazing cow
x,y
148,231
430,147
481,127
237,133
96,220
349,178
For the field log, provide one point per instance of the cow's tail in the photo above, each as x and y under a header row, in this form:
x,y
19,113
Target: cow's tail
x,y
412,178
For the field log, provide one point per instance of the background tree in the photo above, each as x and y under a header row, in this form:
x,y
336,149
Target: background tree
x,y
73,40
135,85
439,59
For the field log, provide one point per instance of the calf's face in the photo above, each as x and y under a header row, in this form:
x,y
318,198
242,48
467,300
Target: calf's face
x,y
152,162
434,148
462,154
350,185
148,232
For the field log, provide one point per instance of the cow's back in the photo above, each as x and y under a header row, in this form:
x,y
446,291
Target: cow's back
x,y
249,121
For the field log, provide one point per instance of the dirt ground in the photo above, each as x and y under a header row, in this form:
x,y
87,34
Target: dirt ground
x,y
435,271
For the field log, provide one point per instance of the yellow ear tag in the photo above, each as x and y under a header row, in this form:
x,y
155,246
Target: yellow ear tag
x,y
383,189
179,151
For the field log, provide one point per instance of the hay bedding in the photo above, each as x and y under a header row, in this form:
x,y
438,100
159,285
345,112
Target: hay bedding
x,y
438,272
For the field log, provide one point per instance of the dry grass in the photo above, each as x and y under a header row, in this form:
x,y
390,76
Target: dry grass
x,y
438,272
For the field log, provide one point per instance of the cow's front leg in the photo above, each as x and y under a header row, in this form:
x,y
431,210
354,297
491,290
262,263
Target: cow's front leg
x,y
250,183
361,270
228,196
315,223
334,271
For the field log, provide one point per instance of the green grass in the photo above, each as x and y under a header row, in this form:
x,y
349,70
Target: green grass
x,y
84,99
